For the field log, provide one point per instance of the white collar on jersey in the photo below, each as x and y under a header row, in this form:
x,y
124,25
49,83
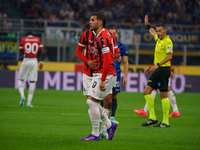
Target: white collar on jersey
x,y
29,36
93,32
100,32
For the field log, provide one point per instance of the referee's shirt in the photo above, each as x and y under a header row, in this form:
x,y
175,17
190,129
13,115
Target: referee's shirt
x,y
162,49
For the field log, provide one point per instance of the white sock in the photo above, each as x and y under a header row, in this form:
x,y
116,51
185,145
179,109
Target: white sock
x,y
104,116
30,92
103,127
172,100
94,114
21,88
153,94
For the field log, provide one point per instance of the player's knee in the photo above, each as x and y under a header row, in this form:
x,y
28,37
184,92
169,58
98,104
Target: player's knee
x,y
145,92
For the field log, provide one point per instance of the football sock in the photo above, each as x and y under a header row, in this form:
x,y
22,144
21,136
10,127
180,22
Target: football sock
x,y
165,107
114,107
153,93
104,116
30,92
103,127
172,100
150,103
94,114
21,88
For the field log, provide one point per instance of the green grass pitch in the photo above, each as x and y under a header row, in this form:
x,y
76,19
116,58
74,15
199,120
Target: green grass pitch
x,y
60,118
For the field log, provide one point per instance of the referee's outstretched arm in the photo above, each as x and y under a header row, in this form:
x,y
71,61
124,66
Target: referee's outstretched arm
x,y
149,27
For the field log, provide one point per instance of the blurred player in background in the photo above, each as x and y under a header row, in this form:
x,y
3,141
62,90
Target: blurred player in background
x,y
160,74
29,46
116,89
104,77
171,96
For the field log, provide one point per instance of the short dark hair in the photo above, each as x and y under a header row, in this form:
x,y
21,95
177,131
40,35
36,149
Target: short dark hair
x,y
100,16
113,27
29,33
161,24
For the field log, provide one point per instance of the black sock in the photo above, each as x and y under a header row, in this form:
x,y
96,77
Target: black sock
x,y
114,107
101,103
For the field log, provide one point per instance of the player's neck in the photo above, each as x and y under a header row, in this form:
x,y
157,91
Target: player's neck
x,y
98,30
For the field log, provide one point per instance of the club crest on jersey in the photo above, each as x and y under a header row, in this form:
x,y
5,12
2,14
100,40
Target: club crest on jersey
x,y
169,48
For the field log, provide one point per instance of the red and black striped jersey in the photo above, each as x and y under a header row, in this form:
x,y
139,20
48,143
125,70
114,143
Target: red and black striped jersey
x,y
87,40
105,45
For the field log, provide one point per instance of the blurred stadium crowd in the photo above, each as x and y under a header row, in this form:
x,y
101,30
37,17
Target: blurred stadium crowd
x,y
179,12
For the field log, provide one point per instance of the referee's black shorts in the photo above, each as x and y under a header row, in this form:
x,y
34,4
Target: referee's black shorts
x,y
159,79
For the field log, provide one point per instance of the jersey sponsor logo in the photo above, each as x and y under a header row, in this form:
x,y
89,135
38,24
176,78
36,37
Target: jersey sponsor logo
x,y
169,49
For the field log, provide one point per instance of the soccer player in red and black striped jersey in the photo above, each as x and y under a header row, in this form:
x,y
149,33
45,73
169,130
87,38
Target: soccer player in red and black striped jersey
x,y
29,46
104,76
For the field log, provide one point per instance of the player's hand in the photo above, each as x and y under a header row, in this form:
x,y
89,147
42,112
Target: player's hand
x,y
118,57
125,81
92,64
153,68
102,86
172,75
41,66
147,70
146,20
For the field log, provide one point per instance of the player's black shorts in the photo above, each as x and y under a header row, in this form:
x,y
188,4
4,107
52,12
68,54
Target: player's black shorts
x,y
159,79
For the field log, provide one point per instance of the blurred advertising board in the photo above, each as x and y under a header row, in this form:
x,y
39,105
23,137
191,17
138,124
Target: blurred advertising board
x,y
73,81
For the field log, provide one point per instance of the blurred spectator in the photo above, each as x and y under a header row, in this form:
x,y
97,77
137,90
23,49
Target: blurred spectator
x,y
70,14
181,12
7,25
3,15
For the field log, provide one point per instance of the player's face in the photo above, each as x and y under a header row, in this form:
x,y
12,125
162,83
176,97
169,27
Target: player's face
x,y
161,32
93,23
114,32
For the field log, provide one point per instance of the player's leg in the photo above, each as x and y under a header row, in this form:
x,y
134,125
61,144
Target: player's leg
x,y
95,95
165,108
33,76
152,84
21,91
150,102
163,80
23,73
107,105
144,112
114,106
30,93
107,102
172,100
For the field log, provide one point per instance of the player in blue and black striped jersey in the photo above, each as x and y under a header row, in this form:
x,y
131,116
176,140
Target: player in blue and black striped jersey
x,y
116,89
